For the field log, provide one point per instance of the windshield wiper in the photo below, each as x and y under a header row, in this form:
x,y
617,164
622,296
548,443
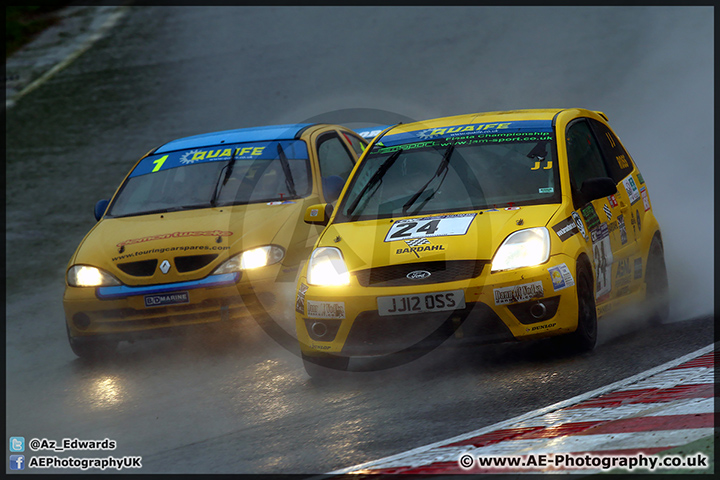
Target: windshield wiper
x,y
377,176
289,182
228,168
441,168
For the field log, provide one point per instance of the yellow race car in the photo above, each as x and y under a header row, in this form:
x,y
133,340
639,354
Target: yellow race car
x,y
485,227
203,229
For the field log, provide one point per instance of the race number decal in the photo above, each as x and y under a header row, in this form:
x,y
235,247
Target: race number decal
x,y
603,259
440,226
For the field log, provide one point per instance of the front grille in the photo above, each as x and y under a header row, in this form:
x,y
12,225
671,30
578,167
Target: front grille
x,y
441,271
193,262
143,268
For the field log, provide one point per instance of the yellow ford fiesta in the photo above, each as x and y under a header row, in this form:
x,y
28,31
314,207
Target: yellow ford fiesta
x,y
203,229
485,227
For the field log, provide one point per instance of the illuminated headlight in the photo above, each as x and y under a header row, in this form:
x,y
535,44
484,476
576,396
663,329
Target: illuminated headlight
x,y
524,248
249,259
87,276
327,267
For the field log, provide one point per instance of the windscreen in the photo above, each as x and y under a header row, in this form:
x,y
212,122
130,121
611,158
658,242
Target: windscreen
x,y
216,176
465,167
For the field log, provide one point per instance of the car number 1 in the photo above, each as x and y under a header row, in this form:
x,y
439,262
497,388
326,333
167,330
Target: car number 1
x,y
426,302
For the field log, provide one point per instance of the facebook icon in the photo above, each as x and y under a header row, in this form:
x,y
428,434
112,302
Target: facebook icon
x,y
17,462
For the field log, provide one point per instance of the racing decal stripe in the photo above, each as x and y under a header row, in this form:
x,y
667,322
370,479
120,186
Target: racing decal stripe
x,y
123,291
667,406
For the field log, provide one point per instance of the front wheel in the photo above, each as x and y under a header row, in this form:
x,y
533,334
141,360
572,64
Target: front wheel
x,y
89,348
324,365
583,339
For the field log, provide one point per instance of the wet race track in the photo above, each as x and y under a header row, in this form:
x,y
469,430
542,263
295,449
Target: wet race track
x,y
209,402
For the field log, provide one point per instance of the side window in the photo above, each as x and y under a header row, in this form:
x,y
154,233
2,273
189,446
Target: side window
x,y
357,144
619,162
584,156
334,157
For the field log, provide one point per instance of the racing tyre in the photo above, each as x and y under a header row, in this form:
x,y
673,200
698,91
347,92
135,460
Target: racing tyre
x,y
324,365
91,348
584,338
656,281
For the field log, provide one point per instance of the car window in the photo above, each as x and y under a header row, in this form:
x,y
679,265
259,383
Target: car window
x,y
187,179
357,144
584,157
334,157
617,159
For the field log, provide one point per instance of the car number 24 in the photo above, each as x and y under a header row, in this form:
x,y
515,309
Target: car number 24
x,y
426,302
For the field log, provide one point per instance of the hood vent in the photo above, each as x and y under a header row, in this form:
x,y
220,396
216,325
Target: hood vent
x,y
193,262
143,268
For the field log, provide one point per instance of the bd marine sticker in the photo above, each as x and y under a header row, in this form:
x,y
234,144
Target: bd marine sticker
x,y
590,216
566,229
645,198
579,223
300,300
603,258
438,226
623,230
518,293
631,189
561,277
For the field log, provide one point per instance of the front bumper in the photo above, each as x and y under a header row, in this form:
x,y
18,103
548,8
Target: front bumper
x,y
492,313
127,312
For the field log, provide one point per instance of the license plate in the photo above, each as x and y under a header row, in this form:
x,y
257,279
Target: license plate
x,y
421,303
162,299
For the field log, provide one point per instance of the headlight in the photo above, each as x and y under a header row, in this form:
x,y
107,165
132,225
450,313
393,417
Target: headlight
x,y
327,267
524,248
254,258
87,276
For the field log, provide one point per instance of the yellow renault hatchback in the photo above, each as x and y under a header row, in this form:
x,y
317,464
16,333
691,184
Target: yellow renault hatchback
x,y
486,227
199,226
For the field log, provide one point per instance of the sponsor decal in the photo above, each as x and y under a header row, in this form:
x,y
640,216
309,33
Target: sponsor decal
x,y
542,327
438,226
631,189
417,242
637,268
608,212
166,299
603,259
325,309
579,223
640,178
165,266
561,277
315,346
590,216
165,236
518,293
512,208
637,220
645,198
623,268
613,201
546,190
623,230
566,229
524,130
280,203
421,248
300,299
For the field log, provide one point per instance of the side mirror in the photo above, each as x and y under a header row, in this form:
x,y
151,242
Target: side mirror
x,y
100,208
318,214
594,188
332,187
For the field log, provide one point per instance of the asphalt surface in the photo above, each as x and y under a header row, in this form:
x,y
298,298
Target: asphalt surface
x,y
206,404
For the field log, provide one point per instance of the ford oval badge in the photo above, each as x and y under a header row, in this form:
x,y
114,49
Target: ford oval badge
x,y
418,275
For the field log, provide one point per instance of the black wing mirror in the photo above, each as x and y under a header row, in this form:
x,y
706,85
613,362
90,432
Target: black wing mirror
x,y
594,188
100,208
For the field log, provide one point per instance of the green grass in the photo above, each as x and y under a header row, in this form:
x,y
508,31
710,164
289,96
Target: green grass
x,y
22,24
